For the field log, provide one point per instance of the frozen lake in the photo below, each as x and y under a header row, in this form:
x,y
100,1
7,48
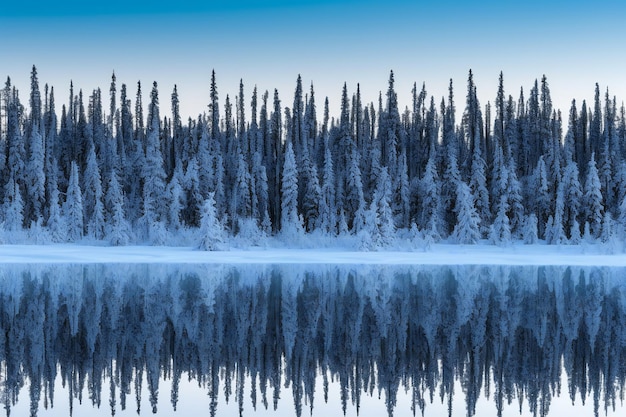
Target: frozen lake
x,y
311,339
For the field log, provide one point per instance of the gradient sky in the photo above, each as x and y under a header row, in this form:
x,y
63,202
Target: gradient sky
x,y
268,43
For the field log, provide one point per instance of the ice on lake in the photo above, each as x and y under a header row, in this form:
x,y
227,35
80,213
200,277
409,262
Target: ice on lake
x,y
311,339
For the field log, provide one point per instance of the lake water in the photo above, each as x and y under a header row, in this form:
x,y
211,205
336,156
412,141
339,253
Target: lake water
x,y
315,340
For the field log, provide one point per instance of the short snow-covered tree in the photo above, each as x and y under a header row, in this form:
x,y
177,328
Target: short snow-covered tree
x,y
500,231
466,230
212,235
13,206
529,232
117,228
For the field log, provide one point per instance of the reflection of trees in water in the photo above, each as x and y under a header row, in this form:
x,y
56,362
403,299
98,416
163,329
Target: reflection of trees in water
x,y
507,333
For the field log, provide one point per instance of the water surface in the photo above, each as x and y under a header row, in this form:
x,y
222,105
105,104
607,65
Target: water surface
x,y
311,340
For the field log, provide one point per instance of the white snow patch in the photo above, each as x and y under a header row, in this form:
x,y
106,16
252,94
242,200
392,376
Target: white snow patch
x,y
437,254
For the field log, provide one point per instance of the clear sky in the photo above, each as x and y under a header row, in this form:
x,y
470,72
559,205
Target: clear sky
x,y
268,43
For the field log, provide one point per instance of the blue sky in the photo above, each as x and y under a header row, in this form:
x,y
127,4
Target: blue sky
x,y
269,43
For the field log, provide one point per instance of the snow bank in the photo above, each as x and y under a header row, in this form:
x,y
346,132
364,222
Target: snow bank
x,y
437,254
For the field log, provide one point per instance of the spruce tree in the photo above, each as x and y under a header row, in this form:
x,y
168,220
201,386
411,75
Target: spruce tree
x,y
328,218
153,175
13,206
212,235
291,226
117,228
466,230
592,198
73,207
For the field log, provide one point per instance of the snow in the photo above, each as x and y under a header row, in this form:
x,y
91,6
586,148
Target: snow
x,y
437,254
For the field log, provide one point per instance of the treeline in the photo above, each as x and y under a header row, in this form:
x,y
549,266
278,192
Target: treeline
x,y
253,167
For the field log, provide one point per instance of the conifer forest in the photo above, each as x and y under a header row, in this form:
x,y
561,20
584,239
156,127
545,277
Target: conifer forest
x,y
104,166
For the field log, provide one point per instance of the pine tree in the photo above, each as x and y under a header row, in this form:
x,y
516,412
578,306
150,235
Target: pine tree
x,y
540,198
379,229
571,192
401,204
354,200
478,186
328,218
466,230
92,198
530,233
312,194
153,218
36,178
55,222
212,236
500,231
176,200
430,218
13,206
73,207
117,228
449,194
592,198
291,226
242,196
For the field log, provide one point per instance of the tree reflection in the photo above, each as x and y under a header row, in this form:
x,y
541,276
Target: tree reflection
x,y
506,333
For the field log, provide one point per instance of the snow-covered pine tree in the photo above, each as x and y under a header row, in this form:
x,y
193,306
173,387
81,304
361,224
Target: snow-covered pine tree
x,y
261,192
515,200
35,177
529,232
328,218
478,186
117,229
382,204
55,222
592,199
291,227
176,199
570,189
466,230
212,235
449,193
241,202
354,201
378,230
538,195
555,235
13,206
500,231
73,207
312,194
430,213
153,219
92,197
621,220
401,204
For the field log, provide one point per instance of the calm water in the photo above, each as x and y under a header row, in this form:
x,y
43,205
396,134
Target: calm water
x,y
320,340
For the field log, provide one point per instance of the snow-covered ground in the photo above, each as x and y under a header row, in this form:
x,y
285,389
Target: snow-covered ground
x,y
444,254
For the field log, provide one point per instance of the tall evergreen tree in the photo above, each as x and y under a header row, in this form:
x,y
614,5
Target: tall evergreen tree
x,y
73,207
153,175
291,226
592,198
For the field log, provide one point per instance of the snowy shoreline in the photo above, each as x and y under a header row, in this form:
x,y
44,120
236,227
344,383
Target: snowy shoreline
x,y
437,254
